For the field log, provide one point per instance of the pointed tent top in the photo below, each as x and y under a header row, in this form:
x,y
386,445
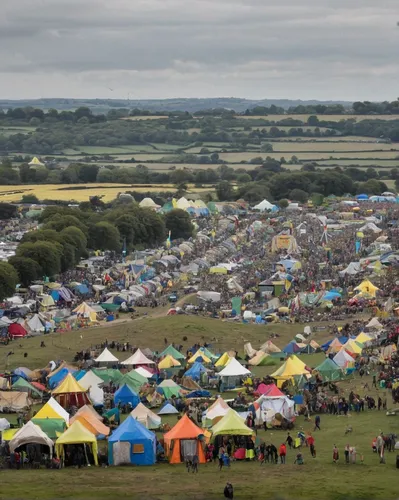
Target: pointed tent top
x,y
231,424
168,409
138,358
223,360
362,338
91,422
131,429
146,417
90,379
76,433
173,352
293,366
184,429
106,357
35,162
52,409
30,433
233,368
69,385
168,362
88,410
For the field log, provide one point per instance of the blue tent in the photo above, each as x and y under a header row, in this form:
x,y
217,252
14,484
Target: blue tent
x,y
331,295
126,395
57,378
80,374
168,409
142,442
82,289
291,348
362,197
342,339
195,371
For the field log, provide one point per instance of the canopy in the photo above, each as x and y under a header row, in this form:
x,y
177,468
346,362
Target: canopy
x,y
292,367
231,424
52,409
30,433
70,392
146,417
168,409
106,357
168,362
126,395
329,370
90,379
35,162
69,385
374,323
367,288
85,310
77,433
272,405
234,369
265,206
92,423
138,358
169,388
142,443
184,430
172,351
223,360
343,359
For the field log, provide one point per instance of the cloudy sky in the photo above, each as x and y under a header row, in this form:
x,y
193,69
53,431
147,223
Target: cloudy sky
x,y
299,49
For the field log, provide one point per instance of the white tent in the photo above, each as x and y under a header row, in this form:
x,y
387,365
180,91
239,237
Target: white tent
x,y
212,296
264,206
343,359
4,424
96,394
374,323
218,409
280,404
30,433
58,409
148,203
143,372
183,203
106,357
370,226
352,269
234,369
138,358
35,324
90,379
146,417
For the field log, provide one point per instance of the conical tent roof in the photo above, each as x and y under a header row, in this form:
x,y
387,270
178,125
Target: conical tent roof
x,y
335,346
329,370
106,357
131,430
52,409
168,362
374,323
90,379
143,373
217,409
352,347
75,434
197,355
362,338
93,424
231,424
168,409
234,368
23,385
89,410
138,358
343,359
173,352
223,360
84,309
291,368
184,429
30,433
35,324
35,162
271,391
69,385
146,417
366,287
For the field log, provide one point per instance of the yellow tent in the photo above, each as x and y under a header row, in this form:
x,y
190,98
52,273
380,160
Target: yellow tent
x,y
168,362
77,434
36,162
69,384
199,354
70,392
367,288
84,310
48,411
292,367
218,270
352,347
362,338
232,425
223,360
335,346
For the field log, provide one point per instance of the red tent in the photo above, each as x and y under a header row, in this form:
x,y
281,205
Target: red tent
x,y
17,330
269,390
39,386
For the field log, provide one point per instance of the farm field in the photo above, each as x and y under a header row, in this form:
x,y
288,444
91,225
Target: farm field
x,y
79,192
333,147
247,156
317,478
143,118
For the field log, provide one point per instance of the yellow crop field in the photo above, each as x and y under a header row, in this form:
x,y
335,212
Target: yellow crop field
x,y
140,118
76,193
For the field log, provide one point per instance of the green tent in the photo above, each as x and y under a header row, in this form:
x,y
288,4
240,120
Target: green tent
x,y
108,375
171,351
53,427
212,207
167,207
329,371
22,385
134,380
268,361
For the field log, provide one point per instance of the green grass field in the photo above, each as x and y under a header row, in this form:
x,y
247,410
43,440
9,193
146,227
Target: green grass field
x,y
331,118
318,478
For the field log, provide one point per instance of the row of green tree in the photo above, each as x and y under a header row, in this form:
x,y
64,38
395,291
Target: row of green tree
x,y
66,236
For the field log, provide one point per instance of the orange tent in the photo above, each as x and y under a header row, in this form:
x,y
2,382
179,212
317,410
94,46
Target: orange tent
x,y
91,423
182,441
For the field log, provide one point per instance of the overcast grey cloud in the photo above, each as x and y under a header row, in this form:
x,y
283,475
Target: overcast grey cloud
x,y
307,49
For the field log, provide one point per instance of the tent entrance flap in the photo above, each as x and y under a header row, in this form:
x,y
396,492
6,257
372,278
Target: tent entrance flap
x,y
121,453
188,448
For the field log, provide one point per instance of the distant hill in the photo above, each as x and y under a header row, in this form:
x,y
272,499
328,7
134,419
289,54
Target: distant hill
x,y
190,105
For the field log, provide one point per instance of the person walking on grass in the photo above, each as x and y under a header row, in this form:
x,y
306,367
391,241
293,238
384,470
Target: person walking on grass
x,y
310,443
221,455
317,423
335,454
289,441
282,453
347,448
